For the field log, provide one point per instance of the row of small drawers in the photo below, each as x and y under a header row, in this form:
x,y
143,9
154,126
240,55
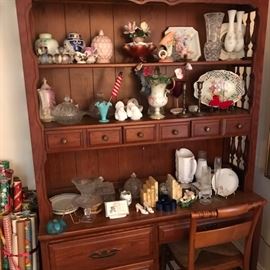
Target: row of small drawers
x,y
62,140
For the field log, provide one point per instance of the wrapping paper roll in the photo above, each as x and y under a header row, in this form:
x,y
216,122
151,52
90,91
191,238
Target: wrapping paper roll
x,y
28,244
17,195
8,238
21,244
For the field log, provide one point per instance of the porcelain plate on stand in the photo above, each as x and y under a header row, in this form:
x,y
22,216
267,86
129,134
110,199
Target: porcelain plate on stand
x,y
62,203
189,38
223,83
225,182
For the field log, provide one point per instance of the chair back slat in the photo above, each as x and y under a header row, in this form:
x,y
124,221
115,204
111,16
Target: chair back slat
x,y
241,222
222,235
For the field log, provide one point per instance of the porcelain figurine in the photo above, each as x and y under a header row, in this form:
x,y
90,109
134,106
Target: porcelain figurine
x,y
47,102
120,113
166,48
91,55
103,46
230,39
45,44
134,111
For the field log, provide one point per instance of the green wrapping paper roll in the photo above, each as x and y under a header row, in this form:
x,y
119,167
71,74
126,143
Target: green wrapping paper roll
x,y
4,195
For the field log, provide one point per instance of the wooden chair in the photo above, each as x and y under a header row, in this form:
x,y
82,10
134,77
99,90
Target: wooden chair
x,y
212,247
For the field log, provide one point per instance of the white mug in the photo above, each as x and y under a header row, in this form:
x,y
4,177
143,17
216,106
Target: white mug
x,y
186,165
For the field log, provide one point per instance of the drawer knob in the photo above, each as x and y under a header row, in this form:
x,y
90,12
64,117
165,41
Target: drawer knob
x,y
207,129
64,141
140,134
105,138
175,132
105,253
239,126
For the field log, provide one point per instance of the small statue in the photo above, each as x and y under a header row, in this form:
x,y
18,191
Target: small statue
x,y
120,113
133,111
166,48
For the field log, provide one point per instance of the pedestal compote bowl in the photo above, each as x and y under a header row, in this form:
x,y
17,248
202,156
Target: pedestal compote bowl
x,y
88,200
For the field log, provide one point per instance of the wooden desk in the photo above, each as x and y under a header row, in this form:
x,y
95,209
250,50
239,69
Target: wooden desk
x,y
128,243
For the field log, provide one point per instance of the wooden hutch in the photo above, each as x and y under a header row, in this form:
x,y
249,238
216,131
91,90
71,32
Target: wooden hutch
x,y
63,152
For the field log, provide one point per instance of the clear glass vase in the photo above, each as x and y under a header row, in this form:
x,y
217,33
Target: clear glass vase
x,y
212,47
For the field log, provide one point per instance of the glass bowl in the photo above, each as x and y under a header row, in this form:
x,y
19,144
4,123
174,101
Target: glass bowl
x,y
67,113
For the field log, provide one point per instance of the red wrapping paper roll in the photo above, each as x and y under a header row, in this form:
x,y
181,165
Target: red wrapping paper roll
x,y
17,197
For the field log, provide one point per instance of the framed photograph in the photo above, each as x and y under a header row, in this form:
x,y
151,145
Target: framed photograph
x,y
116,209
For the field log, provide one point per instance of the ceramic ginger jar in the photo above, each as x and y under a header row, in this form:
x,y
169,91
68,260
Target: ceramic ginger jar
x,y
74,43
103,46
45,44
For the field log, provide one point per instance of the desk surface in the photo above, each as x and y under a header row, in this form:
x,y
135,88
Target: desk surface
x,y
101,223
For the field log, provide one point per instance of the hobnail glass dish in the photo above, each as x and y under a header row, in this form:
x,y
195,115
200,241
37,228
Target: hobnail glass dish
x,y
67,113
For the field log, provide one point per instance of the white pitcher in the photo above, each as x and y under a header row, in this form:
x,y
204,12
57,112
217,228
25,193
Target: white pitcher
x,y
186,165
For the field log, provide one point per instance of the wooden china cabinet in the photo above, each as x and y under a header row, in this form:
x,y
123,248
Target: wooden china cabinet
x,y
146,146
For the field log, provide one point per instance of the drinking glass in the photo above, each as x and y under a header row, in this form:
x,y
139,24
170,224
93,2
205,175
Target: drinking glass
x,y
205,189
217,168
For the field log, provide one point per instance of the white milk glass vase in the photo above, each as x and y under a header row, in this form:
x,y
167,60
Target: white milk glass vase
x,y
239,45
230,38
212,47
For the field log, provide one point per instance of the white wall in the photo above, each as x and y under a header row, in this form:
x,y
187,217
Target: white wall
x,y
261,183
14,129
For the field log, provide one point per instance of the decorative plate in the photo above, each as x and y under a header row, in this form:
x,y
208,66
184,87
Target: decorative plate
x,y
62,203
187,40
224,55
225,182
219,88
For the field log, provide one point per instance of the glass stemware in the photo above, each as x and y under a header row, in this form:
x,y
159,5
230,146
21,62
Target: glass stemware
x,y
177,91
217,168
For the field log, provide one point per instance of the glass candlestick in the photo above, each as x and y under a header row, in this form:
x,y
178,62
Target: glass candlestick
x,y
199,86
184,111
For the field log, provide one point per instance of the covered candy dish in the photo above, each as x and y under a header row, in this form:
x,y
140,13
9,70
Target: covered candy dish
x,y
67,113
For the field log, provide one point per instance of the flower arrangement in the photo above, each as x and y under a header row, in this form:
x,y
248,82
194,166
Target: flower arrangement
x,y
133,31
153,76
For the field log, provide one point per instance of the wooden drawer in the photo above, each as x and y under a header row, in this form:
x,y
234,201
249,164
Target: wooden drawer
x,y
148,265
64,140
99,137
174,131
103,252
133,134
173,231
238,126
204,128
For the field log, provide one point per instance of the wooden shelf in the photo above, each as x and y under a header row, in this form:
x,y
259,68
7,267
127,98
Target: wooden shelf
x,y
239,62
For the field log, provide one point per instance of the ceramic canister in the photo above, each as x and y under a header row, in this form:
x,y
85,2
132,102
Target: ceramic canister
x,y
103,46
74,43
45,44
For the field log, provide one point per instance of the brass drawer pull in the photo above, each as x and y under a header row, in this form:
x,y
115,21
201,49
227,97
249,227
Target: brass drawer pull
x,y
64,141
239,126
175,132
105,138
105,253
207,129
140,134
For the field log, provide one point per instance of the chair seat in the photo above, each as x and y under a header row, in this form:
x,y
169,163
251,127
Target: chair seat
x,y
226,255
